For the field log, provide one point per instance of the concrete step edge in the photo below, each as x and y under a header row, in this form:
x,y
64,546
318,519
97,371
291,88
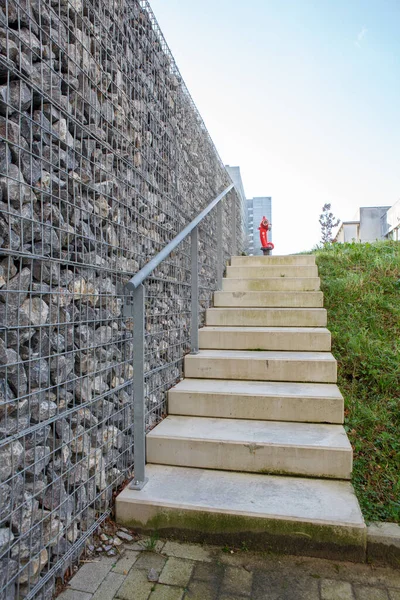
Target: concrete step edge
x,y
290,514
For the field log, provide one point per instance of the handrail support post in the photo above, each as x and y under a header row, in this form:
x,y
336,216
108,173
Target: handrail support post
x,y
234,243
220,259
139,424
194,328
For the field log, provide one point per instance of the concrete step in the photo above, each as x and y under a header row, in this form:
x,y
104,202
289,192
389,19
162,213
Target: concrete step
x,y
266,317
269,299
272,271
310,449
257,261
312,367
265,338
287,514
277,284
261,400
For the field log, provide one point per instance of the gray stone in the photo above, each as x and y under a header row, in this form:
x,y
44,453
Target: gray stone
x,y
81,441
30,43
61,367
26,515
15,95
36,311
38,373
14,188
7,406
31,168
152,575
5,158
42,409
10,459
125,536
58,500
32,568
8,570
36,459
60,128
6,538
19,284
12,369
43,76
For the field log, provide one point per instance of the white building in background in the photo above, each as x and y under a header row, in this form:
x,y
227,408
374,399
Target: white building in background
x,y
257,208
392,226
371,223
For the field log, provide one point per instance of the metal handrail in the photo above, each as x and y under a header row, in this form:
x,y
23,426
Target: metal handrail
x,y
134,307
141,275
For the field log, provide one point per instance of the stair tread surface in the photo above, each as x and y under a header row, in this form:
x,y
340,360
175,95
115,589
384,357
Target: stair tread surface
x,y
270,330
278,284
263,355
276,259
269,496
258,388
243,431
268,299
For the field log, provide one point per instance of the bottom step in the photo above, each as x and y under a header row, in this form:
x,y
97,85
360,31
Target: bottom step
x,y
285,514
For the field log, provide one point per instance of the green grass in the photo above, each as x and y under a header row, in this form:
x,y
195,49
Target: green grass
x,y
361,285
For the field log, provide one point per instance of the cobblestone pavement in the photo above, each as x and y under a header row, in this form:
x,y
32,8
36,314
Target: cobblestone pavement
x,y
166,570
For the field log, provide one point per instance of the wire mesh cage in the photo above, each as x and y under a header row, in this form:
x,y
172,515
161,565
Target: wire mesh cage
x,y
103,160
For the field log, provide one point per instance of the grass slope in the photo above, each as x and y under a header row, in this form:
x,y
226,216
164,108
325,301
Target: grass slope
x,y
361,285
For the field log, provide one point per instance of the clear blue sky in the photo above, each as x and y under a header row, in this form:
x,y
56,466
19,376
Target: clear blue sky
x,y
303,95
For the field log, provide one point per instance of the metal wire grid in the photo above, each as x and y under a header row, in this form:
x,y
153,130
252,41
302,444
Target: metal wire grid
x,y
103,159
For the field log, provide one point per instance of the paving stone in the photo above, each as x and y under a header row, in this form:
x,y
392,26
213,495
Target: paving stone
x,y
151,560
135,586
125,563
394,594
336,590
166,592
364,592
273,585
208,572
237,581
147,544
177,571
74,595
230,597
109,587
90,575
190,551
202,590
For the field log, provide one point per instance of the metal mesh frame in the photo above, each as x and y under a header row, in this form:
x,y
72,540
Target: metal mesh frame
x,y
104,158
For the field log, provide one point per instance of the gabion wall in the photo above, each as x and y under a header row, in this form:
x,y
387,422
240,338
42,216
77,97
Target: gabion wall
x,y
103,160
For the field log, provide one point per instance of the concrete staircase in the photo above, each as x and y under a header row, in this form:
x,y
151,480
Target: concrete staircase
x,y
253,450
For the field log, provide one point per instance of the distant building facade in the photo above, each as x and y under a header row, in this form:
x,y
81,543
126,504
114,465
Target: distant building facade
x,y
257,208
371,223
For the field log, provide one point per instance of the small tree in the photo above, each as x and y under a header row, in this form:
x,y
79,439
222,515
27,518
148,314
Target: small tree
x,y
327,221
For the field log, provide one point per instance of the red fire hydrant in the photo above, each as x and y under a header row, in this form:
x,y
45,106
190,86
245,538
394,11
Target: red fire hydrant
x,y
265,226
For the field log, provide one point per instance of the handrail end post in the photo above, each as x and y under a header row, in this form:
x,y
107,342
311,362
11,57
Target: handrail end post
x,y
139,408
138,485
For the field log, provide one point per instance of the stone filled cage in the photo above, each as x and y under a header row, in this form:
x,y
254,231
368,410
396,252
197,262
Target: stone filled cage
x,y
104,158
